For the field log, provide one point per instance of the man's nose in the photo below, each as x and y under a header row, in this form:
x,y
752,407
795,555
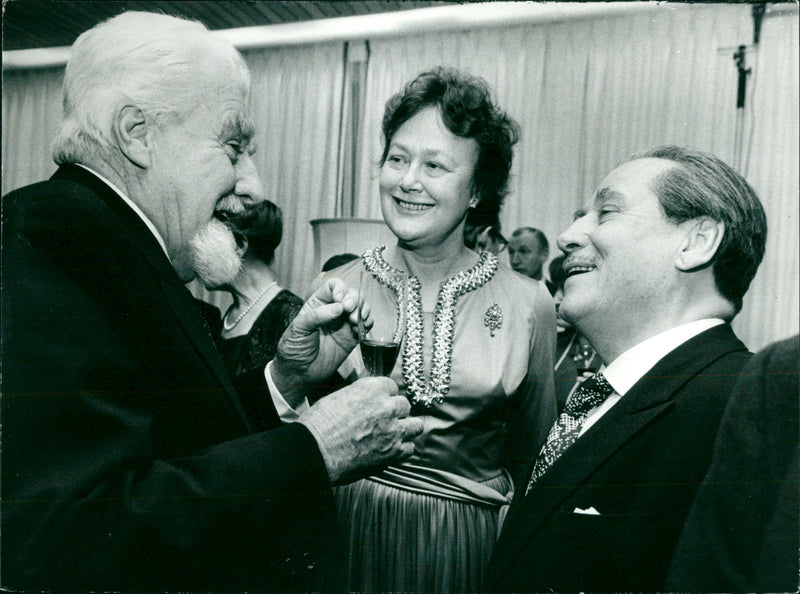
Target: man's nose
x,y
574,236
248,187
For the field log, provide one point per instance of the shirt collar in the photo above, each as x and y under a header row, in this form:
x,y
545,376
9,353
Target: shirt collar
x,y
133,206
627,369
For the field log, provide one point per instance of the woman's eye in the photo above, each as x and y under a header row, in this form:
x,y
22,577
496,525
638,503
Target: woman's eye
x,y
435,168
396,160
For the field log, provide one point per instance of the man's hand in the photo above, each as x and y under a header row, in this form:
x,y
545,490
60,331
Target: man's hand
x,y
362,427
317,341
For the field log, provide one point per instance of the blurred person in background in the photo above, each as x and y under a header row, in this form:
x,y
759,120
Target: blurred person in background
x,y
742,531
491,240
528,250
338,260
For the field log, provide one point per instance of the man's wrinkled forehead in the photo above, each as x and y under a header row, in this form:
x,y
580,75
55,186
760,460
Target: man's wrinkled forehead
x,y
626,184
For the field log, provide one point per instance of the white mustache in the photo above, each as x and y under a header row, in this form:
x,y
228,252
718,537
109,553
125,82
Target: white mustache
x,y
230,205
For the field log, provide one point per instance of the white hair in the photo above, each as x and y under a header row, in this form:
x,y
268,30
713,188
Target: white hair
x,y
161,64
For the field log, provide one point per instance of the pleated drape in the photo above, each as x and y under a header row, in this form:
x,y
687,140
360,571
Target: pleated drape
x,y
31,114
296,104
771,157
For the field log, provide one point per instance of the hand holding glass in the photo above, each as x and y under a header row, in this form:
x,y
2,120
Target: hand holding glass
x,y
385,306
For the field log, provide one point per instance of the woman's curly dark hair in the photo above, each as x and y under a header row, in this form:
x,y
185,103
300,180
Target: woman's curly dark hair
x,y
262,225
465,104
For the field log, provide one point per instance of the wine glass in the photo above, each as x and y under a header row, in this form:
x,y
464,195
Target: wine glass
x,y
384,307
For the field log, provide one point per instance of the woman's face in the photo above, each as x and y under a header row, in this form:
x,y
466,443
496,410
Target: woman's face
x,y
426,181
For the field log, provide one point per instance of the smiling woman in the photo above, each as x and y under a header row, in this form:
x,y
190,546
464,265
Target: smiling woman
x,y
448,149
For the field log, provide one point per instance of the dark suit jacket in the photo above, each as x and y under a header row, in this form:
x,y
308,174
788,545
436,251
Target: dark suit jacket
x,y
742,531
639,467
127,461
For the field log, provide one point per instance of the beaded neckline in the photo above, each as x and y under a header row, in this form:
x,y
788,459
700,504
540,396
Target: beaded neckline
x,y
423,392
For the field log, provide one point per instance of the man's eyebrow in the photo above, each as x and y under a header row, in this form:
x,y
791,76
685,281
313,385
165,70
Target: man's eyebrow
x,y
606,194
238,127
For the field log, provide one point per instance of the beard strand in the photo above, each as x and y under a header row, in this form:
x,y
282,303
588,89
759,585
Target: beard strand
x,y
213,256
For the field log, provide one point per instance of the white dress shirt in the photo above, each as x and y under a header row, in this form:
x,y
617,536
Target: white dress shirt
x,y
633,364
286,413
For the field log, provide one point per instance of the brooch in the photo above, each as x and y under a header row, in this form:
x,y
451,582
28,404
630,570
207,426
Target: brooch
x,y
493,318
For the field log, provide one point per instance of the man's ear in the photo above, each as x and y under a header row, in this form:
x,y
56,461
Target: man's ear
x,y
131,130
700,244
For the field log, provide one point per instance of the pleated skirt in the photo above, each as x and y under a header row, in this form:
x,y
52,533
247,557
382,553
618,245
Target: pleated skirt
x,y
404,541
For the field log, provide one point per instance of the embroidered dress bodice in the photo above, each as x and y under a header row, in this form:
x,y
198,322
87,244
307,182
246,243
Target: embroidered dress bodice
x,y
434,389
483,376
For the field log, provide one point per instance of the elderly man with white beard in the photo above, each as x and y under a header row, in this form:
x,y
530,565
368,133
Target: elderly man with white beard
x,y
127,460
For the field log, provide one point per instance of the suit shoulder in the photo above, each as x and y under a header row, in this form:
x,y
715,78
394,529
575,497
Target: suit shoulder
x,y
58,200
781,356
62,220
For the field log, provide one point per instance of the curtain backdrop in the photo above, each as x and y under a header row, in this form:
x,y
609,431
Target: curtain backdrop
x,y
772,158
31,114
296,104
586,94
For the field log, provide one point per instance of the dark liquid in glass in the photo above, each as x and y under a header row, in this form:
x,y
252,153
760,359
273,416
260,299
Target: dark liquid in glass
x,y
379,356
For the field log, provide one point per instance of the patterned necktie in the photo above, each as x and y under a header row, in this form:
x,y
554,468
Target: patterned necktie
x,y
566,429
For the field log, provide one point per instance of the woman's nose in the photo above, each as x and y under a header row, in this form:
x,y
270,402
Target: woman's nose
x,y
410,182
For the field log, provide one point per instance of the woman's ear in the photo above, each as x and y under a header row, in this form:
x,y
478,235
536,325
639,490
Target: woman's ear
x,y
700,244
131,130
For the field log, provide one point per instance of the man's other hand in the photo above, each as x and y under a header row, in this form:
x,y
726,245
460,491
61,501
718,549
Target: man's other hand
x,y
362,427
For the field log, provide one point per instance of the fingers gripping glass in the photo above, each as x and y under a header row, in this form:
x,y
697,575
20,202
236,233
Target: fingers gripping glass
x,y
381,320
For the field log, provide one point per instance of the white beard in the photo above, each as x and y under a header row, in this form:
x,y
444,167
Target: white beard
x,y
212,254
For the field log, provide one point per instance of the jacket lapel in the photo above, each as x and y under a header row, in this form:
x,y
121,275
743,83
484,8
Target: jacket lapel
x,y
175,292
650,397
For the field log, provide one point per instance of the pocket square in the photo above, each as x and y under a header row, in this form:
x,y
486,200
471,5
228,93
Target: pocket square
x,y
587,512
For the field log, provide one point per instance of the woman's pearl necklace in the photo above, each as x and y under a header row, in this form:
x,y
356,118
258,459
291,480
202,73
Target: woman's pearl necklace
x,y
228,327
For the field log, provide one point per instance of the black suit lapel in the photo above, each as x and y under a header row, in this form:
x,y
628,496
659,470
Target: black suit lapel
x,y
650,397
175,292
